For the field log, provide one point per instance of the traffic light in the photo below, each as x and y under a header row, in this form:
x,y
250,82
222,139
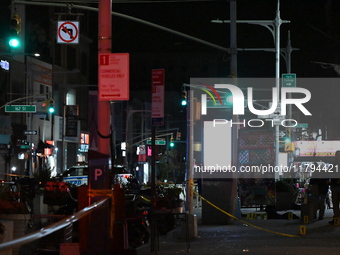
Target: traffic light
x,y
48,106
285,142
51,106
184,97
289,147
178,136
14,32
172,144
44,106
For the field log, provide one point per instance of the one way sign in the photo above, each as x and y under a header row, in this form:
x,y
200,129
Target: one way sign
x,y
282,134
30,132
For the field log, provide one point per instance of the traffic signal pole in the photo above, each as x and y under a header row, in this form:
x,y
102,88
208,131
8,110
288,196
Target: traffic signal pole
x,y
278,23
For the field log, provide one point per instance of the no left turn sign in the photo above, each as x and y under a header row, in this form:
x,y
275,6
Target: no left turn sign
x,y
68,32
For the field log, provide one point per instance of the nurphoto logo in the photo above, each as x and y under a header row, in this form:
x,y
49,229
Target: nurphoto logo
x,y
238,104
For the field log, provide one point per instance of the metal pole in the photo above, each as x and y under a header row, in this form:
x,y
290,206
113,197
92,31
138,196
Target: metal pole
x,y
30,115
153,241
288,51
277,76
63,153
190,151
233,40
100,234
287,57
233,73
104,46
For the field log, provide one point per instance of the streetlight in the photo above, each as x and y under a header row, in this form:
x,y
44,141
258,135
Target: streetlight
x,y
274,27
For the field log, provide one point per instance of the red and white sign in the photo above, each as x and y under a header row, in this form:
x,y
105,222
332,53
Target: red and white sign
x,y
141,149
68,32
157,114
113,77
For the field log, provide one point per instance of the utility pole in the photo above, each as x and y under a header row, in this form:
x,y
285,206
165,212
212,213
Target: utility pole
x,y
274,27
99,181
233,73
278,23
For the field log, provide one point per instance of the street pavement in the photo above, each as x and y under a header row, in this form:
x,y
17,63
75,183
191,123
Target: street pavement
x,y
255,236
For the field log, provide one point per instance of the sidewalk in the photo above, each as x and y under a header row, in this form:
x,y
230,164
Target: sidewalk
x,y
258,237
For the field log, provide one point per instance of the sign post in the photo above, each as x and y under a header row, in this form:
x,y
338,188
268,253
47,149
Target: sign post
x,y
157,119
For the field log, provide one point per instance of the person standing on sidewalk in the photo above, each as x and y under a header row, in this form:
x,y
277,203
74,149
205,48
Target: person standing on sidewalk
x,y
335,188
319,187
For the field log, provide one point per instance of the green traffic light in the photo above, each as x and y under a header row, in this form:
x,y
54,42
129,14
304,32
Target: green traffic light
x,y
51,106
287,140
14,31
184,98
51,110
14,42
172,144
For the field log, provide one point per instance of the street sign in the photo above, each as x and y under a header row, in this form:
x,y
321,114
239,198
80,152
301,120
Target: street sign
x,y
20,108
157,114
113,77
282,134
68,32
302,125
30,132
289,80
157,142
277,113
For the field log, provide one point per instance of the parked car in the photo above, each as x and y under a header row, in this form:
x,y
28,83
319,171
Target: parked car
x,y
76,175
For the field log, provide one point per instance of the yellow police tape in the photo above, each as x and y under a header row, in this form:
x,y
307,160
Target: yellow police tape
x,y
245,222
17,175
100,192
146,199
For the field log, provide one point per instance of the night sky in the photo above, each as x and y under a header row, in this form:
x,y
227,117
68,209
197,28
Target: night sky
x,y
314,29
